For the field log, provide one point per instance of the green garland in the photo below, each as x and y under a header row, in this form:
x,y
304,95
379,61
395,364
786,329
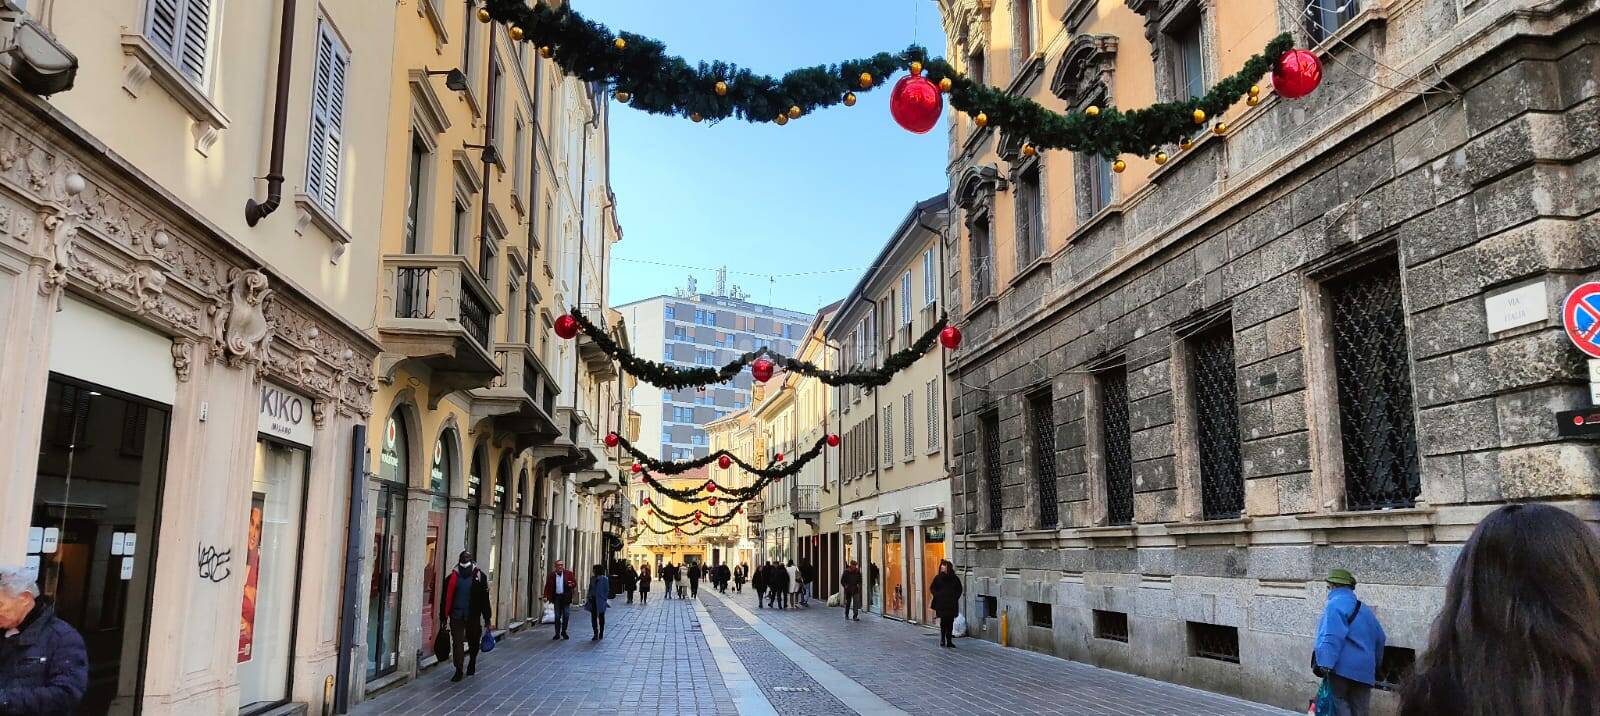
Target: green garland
x,y
672,467
662,375
664,84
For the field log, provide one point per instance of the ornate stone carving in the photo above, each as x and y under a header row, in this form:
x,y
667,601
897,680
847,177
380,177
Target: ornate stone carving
x,y
60,230
319,413
975,191
182,359
240,330
1083,76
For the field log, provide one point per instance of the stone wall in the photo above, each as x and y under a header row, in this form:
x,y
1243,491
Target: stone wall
x,y
1484,186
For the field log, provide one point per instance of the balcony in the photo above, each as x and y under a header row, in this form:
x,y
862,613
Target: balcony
x,y
596,361
755,509
805,501
437,312
521,400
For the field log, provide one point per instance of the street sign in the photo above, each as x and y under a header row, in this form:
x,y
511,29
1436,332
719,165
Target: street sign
x,y
1580,315
1578,423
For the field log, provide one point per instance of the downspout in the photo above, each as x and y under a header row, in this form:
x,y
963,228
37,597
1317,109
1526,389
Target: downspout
x,y
255,211
491,97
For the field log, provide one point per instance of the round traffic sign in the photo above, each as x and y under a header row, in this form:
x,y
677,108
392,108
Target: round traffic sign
x,y
1580,315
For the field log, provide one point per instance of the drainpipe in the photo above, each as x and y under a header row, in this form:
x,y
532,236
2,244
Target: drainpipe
x,y
255,211
490,98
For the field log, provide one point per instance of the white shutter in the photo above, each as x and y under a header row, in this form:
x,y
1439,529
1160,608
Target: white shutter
x,y
934,418
325,149
192,52
888,435
161,24
911,429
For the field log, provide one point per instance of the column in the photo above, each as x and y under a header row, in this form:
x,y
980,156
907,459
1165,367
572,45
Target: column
x,y
25,321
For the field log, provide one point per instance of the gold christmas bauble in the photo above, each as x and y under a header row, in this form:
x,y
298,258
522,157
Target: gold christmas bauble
x,y
866,80
849,99
1199,116
1092,111
794,113
1028,150
623,96
483,14
982,120
916,68
545,52
1119,166
1220,128
783,119
1253,101
1255,90
620,44
945,84
1186,144
695,117
516,33
1161,158
722,89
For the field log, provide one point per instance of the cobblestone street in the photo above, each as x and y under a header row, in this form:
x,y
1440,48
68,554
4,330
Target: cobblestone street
x,y
721,656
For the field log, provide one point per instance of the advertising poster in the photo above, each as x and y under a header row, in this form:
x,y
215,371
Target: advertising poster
x,y
252,575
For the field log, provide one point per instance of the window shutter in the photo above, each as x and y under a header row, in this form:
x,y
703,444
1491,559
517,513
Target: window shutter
x,y
192,53
933,414
911,430
888,435
325,149
162,20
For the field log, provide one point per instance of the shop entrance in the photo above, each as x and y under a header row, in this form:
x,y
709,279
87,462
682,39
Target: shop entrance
x,y
388,549
96,504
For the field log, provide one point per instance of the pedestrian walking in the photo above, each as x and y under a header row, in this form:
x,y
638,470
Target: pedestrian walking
x,y
599,597
1349,644
666,578
559,585
740,574
808,581
630,580
759,583
644,583
795,585
1517,633
694,579
466,608
724,575
850,590
946,591
44,668
778,585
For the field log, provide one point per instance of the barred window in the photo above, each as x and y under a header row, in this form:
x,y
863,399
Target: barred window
x,y
911,446
1041,409
1116,446
1216,406
1373,369
989,429
935,414
888,435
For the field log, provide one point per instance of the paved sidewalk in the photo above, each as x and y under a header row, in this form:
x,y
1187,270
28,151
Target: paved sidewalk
x,y
653,660
904,665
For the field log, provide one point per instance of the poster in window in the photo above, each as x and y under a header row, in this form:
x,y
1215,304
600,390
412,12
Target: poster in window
x,y
252,575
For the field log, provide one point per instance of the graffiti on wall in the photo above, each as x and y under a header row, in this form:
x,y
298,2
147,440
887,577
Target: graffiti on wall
x,y
214,564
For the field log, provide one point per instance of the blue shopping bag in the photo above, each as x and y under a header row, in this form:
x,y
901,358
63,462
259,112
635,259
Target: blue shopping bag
x,y
488,642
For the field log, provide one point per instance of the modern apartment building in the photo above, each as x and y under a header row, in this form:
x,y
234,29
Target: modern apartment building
x,y
1190,389
700,329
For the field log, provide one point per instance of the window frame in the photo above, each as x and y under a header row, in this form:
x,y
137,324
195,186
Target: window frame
x,y
323,168
173,52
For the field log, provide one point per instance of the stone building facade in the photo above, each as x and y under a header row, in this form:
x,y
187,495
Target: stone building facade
x,y
1327,335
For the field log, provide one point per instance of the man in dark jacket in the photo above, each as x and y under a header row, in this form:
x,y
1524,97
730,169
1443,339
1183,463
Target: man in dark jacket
x,y
694,579
465,606
808,580
850,590
758,581
559,586
778,585
43,666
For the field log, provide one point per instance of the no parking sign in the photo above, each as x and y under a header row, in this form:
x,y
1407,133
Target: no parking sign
x,y
1580,314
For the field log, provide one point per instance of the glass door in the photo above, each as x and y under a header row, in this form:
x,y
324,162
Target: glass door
x,y
383,605
874,573
91,543
932,555
894,583
272,559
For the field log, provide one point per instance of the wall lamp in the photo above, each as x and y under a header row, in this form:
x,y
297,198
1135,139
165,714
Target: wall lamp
x,y
490,154
454,79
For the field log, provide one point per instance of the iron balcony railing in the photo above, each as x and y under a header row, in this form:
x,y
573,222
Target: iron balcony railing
x,y
443,289
805,499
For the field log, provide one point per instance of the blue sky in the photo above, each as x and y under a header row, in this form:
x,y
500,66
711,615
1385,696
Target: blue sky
x,y
818,195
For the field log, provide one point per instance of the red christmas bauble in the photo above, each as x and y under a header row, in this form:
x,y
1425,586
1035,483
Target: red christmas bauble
x,y
762,370
724,461
711,486
612,440
567,326
777,457
916,104
1297,74
638,468
712,501
950,338
833,441
647,500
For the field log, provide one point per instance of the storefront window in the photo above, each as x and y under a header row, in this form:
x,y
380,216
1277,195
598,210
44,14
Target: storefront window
x,y
496,522
874,572
388,541
272,557
932,554
440,477
894,586
95,512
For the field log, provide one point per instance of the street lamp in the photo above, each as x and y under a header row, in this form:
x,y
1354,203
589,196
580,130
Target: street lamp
x,y
454,79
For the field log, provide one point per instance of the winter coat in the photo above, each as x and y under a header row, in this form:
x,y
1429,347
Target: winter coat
x,y
759,581
850,581
778,578
694,572
1350,647
599,591
568,588
644,579
44,669
740,573
793,577
630,579
479,609
946,590
808,572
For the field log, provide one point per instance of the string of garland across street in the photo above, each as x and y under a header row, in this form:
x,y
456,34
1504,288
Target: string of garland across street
x,y
642,75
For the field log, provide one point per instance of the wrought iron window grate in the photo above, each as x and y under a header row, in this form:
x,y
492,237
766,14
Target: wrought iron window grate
x,y
1213,641
1216,403
1042,409
990,429
1377,425
1111,625
1118,451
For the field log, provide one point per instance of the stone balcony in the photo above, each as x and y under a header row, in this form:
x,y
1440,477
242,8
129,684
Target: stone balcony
x,y
437,311
521,400
805,501
755,509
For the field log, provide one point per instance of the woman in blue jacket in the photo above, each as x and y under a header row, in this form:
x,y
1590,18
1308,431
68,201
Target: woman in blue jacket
x,y
599,590
1349,644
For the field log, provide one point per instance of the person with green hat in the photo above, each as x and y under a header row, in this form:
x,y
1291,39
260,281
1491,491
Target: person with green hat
x,y
1349,645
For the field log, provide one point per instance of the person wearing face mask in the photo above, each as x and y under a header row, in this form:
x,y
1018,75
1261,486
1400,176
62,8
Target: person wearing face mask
x,y
466,608
559,586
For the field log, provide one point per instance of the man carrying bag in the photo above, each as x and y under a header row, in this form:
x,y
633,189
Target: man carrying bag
x,y
466,608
